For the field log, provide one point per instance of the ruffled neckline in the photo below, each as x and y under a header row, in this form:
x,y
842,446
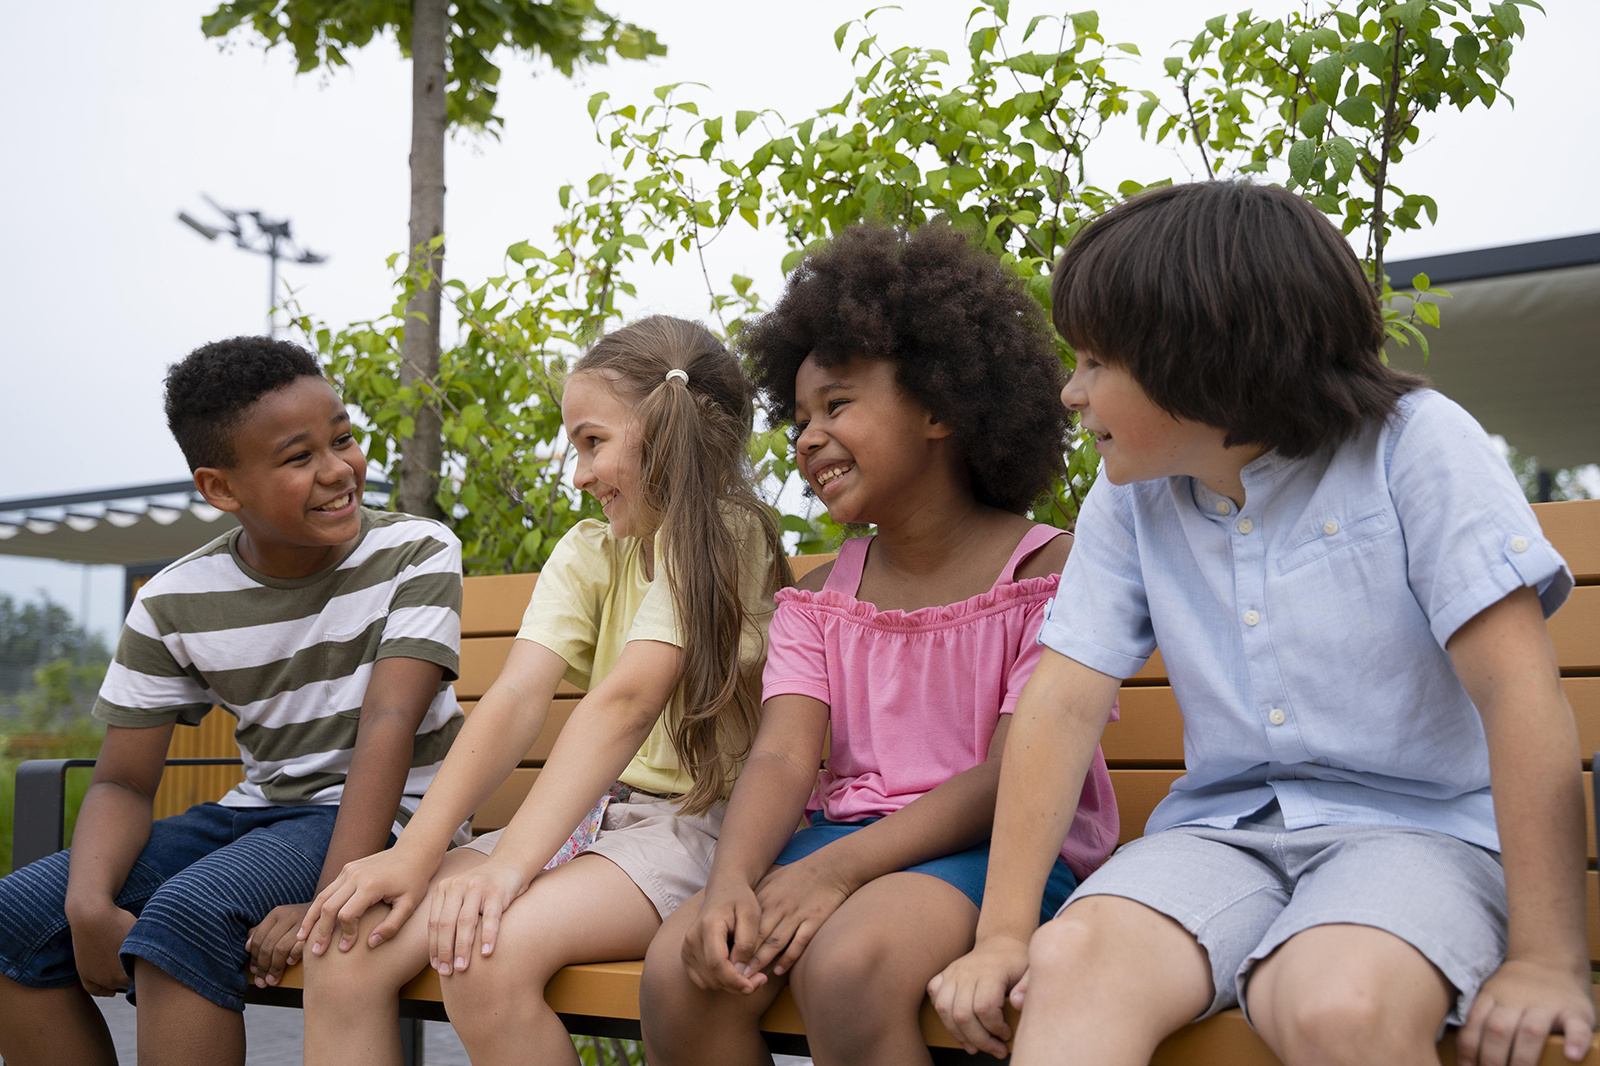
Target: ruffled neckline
x,y
997,598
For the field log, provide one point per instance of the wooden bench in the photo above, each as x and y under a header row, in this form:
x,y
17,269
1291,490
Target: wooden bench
x,y
1144,751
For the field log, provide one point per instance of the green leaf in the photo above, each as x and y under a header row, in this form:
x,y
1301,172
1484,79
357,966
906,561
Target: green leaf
x,y
1301,156
1358,111
1325,76
1344,156
1420,282
1314,119
839,36
742,120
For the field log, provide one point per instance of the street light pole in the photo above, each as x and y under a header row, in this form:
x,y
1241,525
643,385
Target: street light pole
x,y
270,237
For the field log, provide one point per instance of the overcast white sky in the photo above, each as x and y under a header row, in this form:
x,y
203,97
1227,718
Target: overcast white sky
x,y
124,113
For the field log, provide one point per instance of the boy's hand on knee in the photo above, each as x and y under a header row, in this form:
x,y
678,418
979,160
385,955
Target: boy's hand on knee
x,y
1518,1006
970,993
274,944
97,950
795,900
722,943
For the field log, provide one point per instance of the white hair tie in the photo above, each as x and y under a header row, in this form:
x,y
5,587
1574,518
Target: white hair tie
x,y
678,375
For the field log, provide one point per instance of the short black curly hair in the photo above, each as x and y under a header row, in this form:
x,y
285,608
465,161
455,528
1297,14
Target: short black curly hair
x,y
968,343
210,390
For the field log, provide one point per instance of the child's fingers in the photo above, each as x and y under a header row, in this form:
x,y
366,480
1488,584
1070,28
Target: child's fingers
x,y
466,928
1578,1028
400,908
773,943
746,933
1019,991
493,908
796,947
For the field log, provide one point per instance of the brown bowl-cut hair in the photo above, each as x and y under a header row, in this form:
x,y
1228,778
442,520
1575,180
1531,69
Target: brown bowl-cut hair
x,y
1239,306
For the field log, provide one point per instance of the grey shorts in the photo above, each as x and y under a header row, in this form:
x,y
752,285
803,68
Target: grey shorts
x,y
665,853
1243,892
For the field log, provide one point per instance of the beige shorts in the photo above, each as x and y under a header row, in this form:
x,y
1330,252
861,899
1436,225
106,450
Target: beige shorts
x,y
667,854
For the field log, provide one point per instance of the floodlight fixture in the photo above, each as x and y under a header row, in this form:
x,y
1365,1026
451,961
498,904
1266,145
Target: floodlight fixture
x,y
270,237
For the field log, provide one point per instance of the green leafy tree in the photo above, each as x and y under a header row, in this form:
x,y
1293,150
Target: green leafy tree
x,y
1000,144
454,78
1336,92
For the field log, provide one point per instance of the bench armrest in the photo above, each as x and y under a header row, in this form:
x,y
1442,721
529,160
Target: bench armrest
x,y
40,823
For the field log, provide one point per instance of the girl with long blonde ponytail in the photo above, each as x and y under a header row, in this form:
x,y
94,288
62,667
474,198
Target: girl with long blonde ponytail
x,y
660,613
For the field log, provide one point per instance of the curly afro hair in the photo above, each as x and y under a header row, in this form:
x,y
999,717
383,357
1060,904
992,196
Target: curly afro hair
x,y
968,343
210,390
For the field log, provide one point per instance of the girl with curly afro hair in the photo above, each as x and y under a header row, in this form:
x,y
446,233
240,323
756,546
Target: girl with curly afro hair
x,y
922,383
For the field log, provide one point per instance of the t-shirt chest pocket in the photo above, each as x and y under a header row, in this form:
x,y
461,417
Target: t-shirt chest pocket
x,y
1332,536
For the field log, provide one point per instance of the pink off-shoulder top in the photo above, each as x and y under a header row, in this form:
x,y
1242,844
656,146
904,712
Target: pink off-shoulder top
x,y
914,696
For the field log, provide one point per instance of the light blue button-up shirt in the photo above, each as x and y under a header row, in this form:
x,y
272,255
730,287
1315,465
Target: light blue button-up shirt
x,y
1304,635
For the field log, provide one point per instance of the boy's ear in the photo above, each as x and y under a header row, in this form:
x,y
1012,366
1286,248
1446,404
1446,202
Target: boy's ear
x,y
212,483
938,430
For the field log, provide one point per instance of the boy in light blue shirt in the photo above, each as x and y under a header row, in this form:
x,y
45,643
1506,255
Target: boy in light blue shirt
x,y
1349,590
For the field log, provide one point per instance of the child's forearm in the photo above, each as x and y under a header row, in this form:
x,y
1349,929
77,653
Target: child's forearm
x,y
763,813
494,739
112,829
1054,734
372,790
953,817
1538,794
770,796
1505,661
594,747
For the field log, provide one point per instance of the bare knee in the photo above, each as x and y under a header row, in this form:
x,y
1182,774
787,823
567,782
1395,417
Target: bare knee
x,y
852,991
1346,1021
1065,946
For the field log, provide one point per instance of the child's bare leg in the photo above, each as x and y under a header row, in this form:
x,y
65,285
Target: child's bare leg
x,y
179,1025
47,1025
585,911
1109,979
1348,994
352,998
685,1025
861,981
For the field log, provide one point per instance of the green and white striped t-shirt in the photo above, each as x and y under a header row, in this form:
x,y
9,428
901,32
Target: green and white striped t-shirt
x,y
290,658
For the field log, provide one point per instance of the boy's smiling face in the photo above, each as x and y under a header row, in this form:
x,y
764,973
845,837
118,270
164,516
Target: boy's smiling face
x,y
1140,442
296,481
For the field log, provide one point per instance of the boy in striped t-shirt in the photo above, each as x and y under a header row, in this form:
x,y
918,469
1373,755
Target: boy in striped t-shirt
x,y
331,632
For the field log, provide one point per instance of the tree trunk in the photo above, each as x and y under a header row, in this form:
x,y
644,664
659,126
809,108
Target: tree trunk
x,y
419,351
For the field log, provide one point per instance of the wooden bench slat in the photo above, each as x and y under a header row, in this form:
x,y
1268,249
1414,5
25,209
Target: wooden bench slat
x,y
493,605
1574,528
1575,632
481,660
1138,792
499,808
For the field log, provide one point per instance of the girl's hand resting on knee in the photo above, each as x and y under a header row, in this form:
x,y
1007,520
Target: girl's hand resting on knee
x,y
795,900
466,908
390,877
721,945
970,993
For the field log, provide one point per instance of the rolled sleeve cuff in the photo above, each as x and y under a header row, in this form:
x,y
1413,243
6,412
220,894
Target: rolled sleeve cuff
x,y
1529,562
1058,638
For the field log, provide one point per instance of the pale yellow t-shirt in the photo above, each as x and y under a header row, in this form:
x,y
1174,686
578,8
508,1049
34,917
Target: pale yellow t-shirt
x,y
593,597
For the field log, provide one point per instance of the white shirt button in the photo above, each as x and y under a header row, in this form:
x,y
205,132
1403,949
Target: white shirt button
x,y
1252,617
1224,507
1245,525
1276,716
1519,544
1330,527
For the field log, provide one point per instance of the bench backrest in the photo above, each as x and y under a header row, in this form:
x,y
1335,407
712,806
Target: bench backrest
x,y
1144,750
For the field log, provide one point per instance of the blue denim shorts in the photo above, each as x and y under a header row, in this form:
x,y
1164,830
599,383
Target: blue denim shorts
x,y
964,871
204,880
